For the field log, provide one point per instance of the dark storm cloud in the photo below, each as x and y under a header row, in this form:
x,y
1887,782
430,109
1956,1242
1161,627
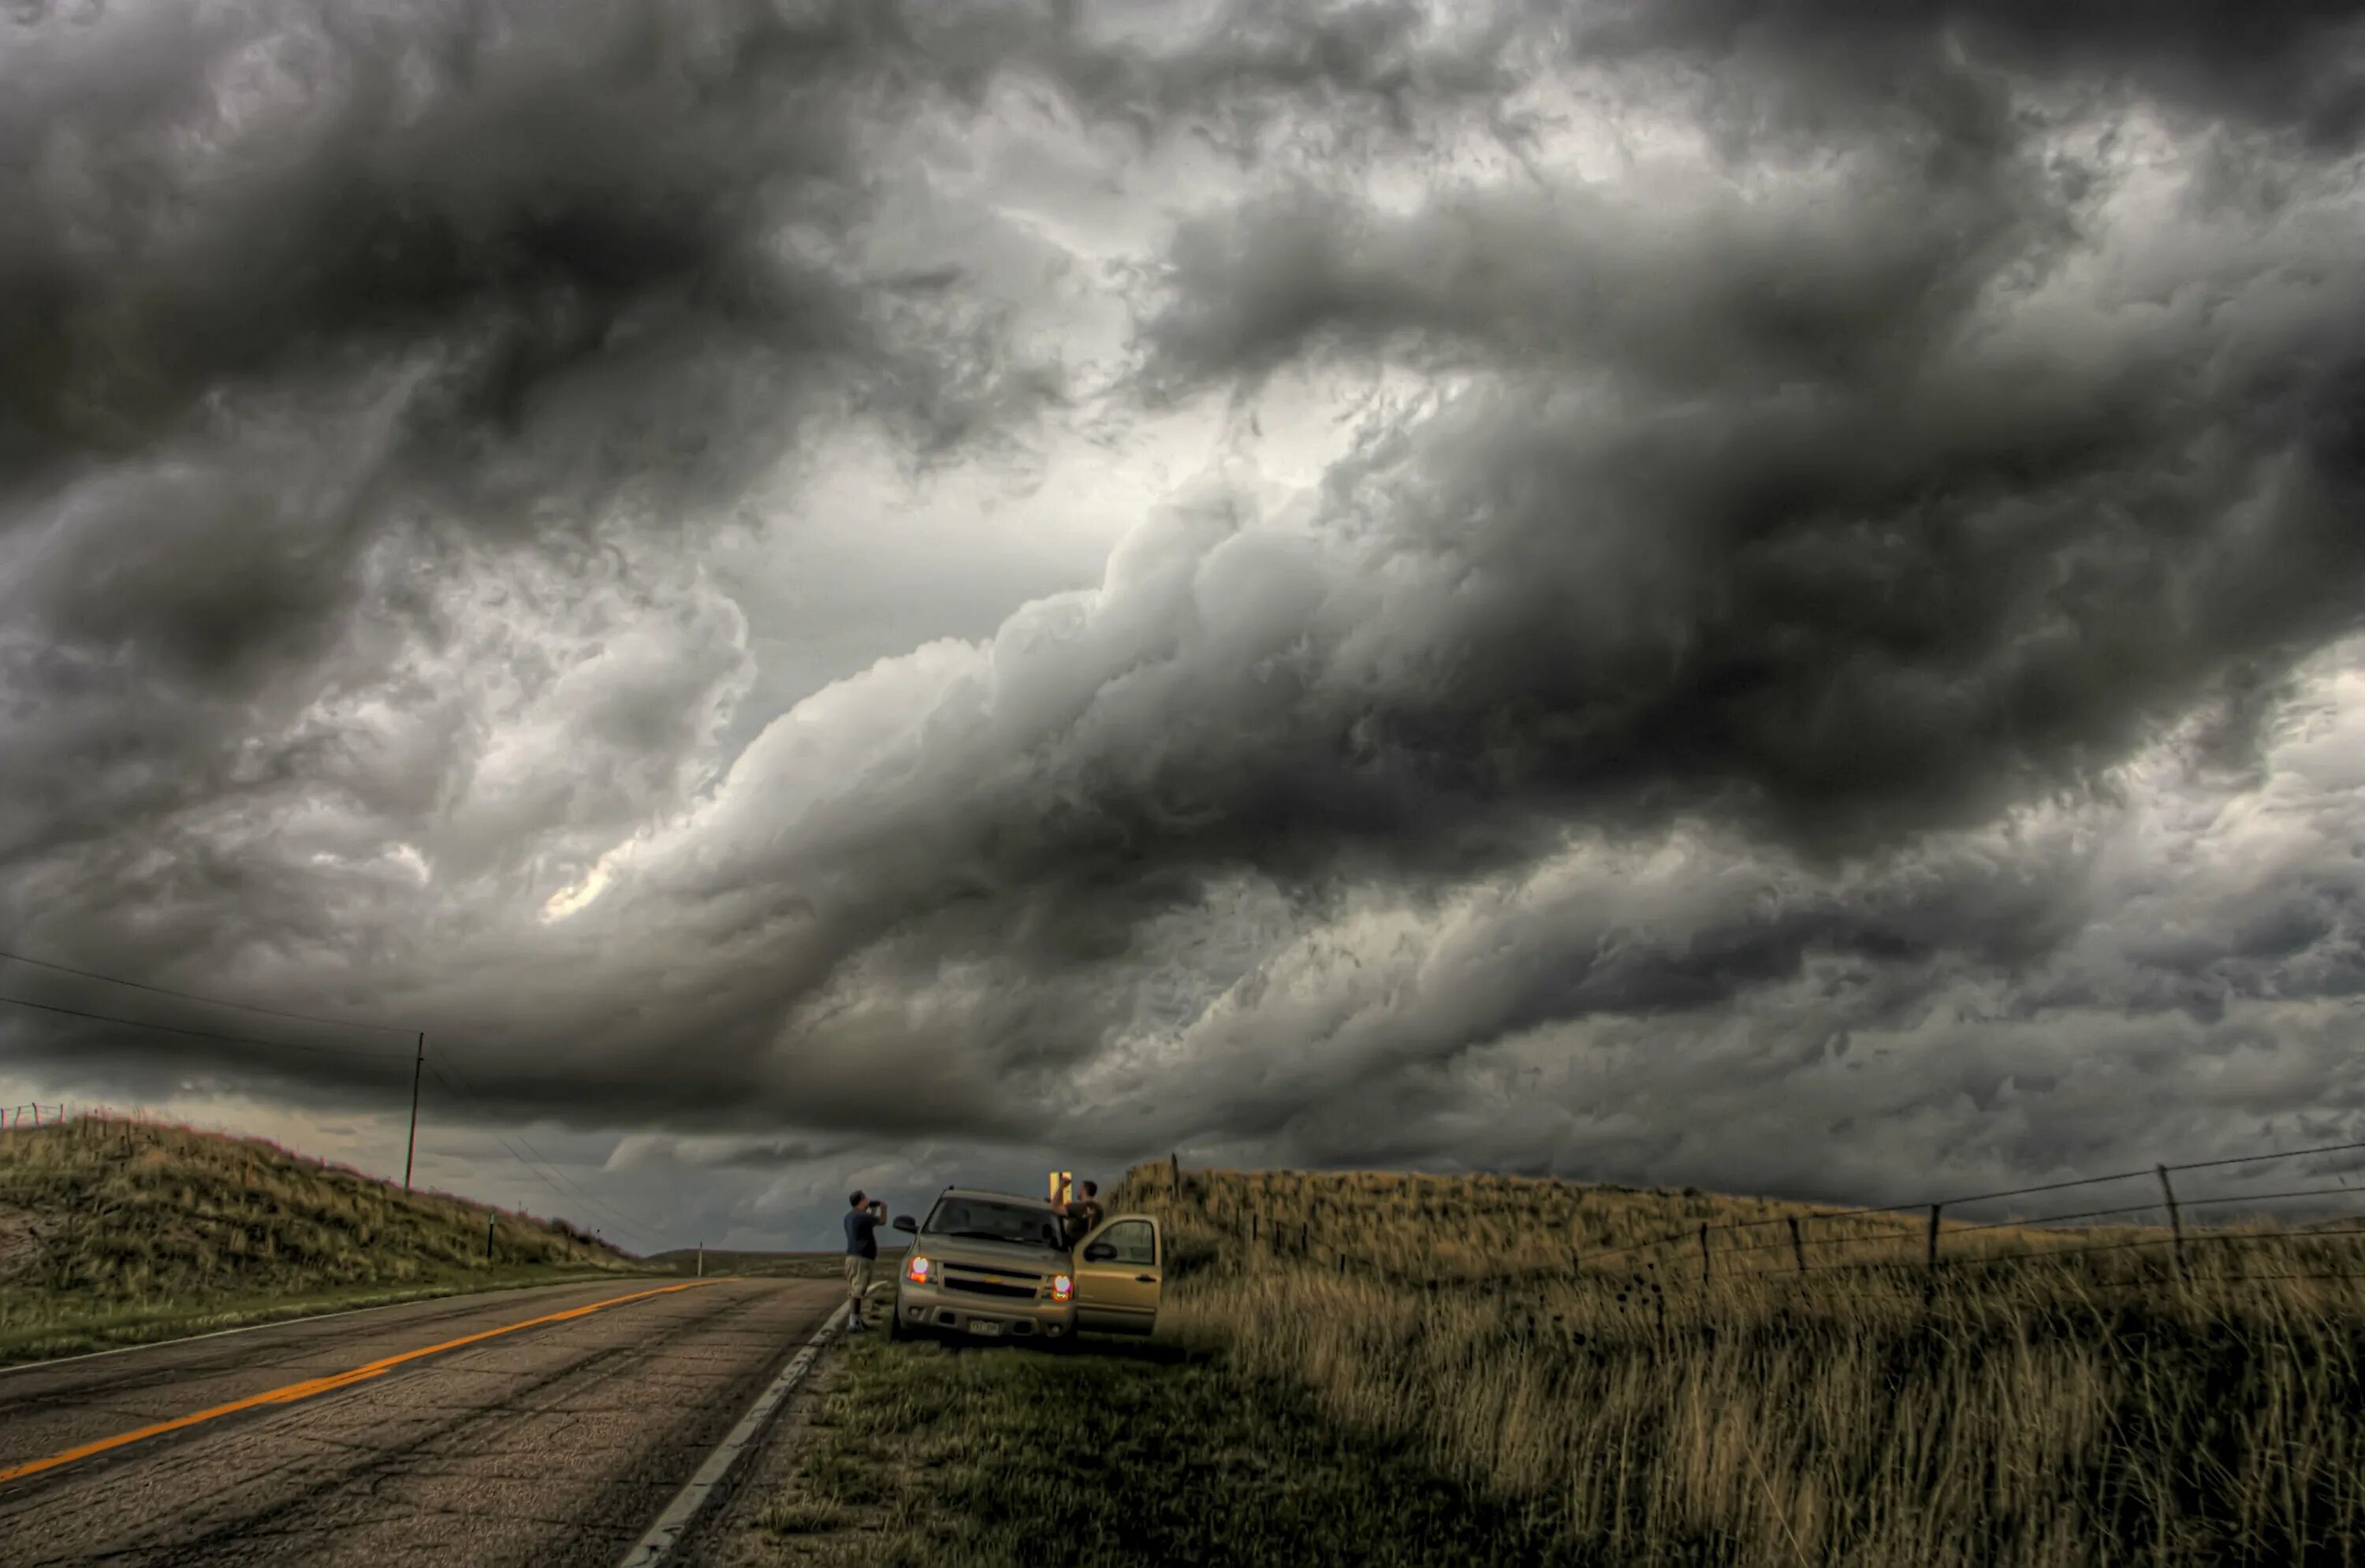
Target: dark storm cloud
x,y
1810,511
307,310
1849,509
2300,65
298,297
1879,501
294,275
594,244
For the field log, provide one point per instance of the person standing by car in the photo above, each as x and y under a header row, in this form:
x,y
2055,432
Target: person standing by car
x,y
1083,1214
863,1218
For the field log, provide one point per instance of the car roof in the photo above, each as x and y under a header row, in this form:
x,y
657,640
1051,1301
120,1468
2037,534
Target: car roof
x,y
997,1197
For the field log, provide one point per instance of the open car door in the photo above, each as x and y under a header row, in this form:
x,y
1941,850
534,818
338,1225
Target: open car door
x,y
1117,1270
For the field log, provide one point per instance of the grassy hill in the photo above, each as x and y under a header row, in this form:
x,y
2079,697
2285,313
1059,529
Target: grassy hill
x,y
1367,1368
113,1232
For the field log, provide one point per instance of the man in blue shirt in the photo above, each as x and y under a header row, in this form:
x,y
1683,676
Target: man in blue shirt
x,y
863,1218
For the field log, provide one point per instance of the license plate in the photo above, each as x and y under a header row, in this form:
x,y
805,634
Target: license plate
x,y
988,1329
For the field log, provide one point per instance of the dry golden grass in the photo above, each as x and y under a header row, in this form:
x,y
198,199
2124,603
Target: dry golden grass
x,y
2040,1400
112,1231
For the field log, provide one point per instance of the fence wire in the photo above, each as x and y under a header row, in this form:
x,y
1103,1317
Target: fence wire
x,y
1296,1242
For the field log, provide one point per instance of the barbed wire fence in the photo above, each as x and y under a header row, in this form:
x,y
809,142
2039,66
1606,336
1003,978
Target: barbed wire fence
x,y
1913,1239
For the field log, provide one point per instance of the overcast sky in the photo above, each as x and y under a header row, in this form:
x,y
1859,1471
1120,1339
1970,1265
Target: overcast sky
x,y
1738,592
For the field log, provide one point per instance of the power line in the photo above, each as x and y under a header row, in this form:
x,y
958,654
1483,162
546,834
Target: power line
x,y
552,1180
478,1098
205,1034
550,1177
209,1001
555,1179
538,1163
588,1196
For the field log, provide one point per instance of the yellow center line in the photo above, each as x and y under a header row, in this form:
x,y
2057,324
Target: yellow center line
x,y
335,1381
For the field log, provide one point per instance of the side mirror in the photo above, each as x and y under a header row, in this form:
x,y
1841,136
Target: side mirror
x,y
1099,1252
906,1222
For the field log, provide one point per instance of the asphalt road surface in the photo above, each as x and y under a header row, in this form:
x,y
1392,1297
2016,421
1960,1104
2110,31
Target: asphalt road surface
x,y
555,1443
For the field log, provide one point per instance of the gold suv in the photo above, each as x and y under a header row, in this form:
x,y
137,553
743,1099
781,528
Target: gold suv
x,y
995,1266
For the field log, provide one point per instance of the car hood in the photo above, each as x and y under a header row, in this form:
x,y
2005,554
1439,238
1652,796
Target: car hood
x,y
1014,1255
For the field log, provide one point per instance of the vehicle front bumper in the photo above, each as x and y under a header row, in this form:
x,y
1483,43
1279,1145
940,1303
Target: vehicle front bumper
x,y
934,1308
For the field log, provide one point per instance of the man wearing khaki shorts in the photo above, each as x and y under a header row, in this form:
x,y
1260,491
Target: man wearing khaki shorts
x,y
863,1218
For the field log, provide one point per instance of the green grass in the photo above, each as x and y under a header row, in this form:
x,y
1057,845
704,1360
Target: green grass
x,y
114,1233
1112,1456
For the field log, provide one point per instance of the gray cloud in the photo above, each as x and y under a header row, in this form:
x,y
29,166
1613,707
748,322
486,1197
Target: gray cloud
x,y
1729,546
2300,66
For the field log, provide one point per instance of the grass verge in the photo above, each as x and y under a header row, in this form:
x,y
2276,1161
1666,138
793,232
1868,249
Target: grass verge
x,y
1112,1456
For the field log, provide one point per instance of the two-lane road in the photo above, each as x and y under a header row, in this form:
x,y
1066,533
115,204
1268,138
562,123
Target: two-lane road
x,y
509,1428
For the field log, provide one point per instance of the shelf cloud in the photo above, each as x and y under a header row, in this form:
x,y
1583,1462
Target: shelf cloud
x,y
1740,593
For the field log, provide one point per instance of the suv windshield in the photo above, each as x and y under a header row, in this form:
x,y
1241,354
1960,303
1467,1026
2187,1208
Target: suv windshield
x,y
984,1219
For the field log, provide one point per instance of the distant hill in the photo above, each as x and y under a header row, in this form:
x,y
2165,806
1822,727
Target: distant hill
x,y
113,1231
684,1260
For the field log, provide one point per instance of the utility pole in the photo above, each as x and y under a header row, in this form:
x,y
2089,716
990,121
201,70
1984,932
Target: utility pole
x,y
410,1151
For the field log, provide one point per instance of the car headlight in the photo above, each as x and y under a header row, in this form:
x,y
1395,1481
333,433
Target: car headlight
x,y
916,1270
1063,1287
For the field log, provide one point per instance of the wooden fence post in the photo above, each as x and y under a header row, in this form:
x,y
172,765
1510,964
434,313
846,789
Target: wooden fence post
x,y
2175,1218
1797,1250
488,1239
1931,1259
1705,1270
1174,1163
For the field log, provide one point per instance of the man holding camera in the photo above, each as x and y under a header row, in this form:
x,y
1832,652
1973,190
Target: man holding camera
x,y
864,1215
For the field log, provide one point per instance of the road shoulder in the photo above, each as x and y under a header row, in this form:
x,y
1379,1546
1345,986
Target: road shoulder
x,y
746,1531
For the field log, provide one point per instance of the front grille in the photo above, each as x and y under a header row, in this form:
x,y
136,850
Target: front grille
x,y
989,1287
995,1270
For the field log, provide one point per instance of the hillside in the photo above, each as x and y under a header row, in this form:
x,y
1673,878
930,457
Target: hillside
x,y
114,1231
1359,1369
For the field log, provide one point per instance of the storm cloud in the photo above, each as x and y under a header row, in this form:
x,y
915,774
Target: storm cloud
x,y
1627,570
